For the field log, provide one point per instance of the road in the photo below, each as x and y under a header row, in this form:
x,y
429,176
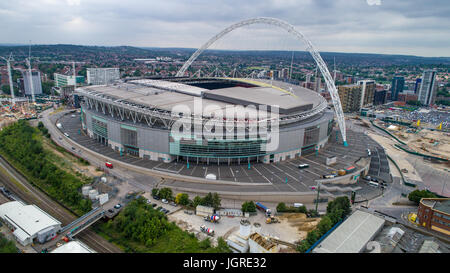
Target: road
x,y
18,185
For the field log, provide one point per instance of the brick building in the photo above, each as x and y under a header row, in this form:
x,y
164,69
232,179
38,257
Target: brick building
x,y
434,214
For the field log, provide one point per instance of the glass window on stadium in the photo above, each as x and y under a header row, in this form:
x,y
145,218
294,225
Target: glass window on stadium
x,y
100,130
128,137
221,149
311,135
330,127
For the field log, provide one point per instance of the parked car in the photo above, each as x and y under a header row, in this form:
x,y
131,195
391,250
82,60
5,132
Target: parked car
x,y
154,205
302,166
118,206
111,211
173,204
167,211
109,165
148,202
165,201
189,212
156,197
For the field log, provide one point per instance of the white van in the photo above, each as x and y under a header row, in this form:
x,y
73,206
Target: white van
x,y
211,176
373,184
297,205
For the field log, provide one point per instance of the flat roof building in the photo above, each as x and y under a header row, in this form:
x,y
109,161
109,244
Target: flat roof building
x,y
100,76
434,214
352,235
28,222
73,247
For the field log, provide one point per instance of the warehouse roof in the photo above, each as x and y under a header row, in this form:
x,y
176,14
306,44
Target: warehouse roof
x,y
73,247
28,219
352,235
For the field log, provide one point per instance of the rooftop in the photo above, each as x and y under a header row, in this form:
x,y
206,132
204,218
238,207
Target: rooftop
x,y
73,247
215,93
28,218
352,235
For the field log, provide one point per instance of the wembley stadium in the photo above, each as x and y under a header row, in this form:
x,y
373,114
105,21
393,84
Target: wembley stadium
x,y
212,120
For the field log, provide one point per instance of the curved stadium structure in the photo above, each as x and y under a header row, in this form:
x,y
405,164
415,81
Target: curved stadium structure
x,y
212,120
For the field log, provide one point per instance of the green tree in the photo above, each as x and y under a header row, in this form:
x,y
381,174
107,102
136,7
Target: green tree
x,y
197,201
416,195
216,201
7,246
249,206
155,192
281,207
166,193
182,199
324,225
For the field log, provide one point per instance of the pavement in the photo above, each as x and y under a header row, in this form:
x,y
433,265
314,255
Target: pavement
x,y
258,177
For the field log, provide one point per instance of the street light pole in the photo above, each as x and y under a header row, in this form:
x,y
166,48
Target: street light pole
x,y
317,198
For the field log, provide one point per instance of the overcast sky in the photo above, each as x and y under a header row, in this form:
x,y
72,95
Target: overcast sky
x,y
411,27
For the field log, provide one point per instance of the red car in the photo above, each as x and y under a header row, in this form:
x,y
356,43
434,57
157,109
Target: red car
x,y
109,165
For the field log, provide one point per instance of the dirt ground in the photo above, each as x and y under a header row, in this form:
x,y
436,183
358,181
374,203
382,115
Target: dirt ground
x,y
291,228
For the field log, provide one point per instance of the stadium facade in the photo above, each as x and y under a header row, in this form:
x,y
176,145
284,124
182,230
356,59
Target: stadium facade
x,y
212,120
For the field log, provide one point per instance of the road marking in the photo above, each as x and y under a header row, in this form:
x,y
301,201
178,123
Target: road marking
x,y
262,175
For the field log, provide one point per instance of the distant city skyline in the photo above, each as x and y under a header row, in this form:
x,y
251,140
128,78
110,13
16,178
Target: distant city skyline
x,y
417,28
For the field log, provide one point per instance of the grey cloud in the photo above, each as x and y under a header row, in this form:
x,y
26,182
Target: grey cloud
x,y
410,26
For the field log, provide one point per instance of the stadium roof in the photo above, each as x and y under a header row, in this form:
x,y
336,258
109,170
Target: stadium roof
x,y
352,235
28,219
166,94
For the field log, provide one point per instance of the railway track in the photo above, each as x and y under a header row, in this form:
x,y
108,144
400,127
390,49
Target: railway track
x,y
18,185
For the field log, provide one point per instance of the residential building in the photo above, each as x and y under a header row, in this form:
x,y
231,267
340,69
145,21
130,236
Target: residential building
x,y
417,85
36,80
350,96
428,88
64,80
367,92
379,97
397,87
434,214
99,76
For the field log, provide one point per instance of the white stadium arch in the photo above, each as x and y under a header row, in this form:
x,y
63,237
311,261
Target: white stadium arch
x,y
290,29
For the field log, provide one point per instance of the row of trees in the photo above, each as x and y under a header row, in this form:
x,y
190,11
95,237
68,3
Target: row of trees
x,y
22,145
337,210
210,200
140,228
281,207
416,195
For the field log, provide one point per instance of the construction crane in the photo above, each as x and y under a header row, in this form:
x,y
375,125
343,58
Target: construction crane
x,y
11,88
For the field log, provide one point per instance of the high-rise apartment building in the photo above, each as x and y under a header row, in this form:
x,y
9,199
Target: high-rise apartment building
x,y
367,92
35,78
350,96
428,87
64,80
98,76
397,87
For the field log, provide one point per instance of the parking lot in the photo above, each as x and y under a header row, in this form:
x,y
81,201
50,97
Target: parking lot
x,y
283,176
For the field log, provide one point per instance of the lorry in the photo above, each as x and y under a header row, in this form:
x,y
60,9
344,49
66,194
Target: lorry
x,y
208,231
263,208
213,218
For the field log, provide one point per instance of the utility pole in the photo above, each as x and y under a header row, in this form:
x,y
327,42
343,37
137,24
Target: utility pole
x,y
317,198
